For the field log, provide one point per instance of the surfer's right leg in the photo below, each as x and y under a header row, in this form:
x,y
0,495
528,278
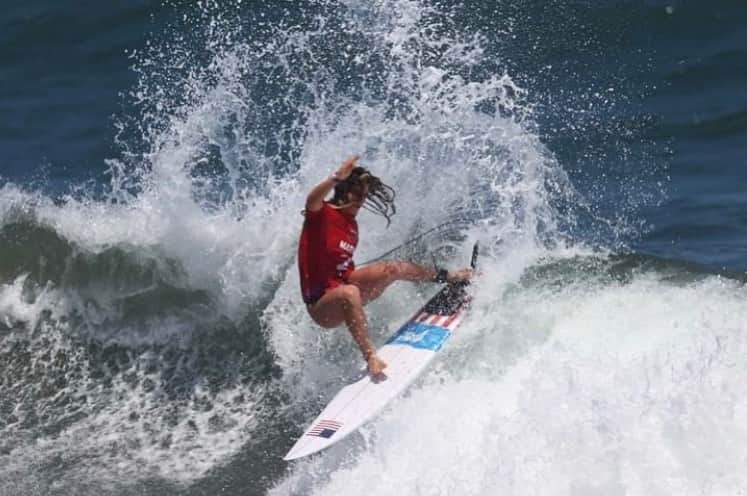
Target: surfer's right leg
x,y
345,304
375,278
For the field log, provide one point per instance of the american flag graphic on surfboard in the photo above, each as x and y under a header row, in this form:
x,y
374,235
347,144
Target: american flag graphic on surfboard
x,y
324,428
407,353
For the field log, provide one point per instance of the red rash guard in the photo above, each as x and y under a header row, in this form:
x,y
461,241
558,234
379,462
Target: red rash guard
x,y
325,252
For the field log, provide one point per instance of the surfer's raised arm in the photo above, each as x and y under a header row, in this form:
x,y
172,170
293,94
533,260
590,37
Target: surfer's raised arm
x,y
315,200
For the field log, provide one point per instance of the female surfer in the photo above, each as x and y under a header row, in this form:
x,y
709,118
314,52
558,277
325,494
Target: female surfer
x,y
333,289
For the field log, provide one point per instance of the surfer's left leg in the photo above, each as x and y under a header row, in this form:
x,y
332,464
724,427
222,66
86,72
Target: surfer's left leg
x,y
375,278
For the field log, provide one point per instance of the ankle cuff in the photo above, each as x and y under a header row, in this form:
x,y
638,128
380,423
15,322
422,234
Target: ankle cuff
x,y
441,276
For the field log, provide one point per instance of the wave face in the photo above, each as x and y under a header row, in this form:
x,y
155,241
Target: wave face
x,y
152,339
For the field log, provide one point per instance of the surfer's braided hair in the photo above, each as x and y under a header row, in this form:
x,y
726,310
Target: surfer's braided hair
x,y
380,197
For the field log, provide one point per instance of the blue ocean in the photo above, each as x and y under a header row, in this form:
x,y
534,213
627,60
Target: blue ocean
x,y
154,160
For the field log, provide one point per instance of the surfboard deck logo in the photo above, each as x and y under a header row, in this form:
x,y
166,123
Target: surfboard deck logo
x,y
422,336
324,428
407,354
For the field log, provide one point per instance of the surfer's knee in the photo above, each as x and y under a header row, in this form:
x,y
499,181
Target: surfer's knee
x,y
393,270
351,295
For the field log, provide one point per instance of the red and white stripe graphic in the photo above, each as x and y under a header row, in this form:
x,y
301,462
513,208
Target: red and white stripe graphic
x,y
322,425
422,317
439,320
452,319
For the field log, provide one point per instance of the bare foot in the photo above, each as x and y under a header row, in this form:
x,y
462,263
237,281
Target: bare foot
x,y
376,366
462,275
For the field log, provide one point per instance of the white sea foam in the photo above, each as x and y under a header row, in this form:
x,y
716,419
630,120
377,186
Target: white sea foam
x,y
631,389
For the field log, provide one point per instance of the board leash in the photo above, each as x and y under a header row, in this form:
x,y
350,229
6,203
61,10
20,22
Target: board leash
x,y
411,241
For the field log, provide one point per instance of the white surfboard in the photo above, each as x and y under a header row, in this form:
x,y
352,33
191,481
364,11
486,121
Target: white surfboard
x,y
407,353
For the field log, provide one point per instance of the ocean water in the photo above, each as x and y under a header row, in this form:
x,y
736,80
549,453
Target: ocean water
x,y
154,158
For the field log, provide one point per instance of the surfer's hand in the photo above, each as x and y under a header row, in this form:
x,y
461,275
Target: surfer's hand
x,y
376,366
462,275
347,167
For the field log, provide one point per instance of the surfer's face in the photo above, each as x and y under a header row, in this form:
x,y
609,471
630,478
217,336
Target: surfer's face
x,y
355,198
